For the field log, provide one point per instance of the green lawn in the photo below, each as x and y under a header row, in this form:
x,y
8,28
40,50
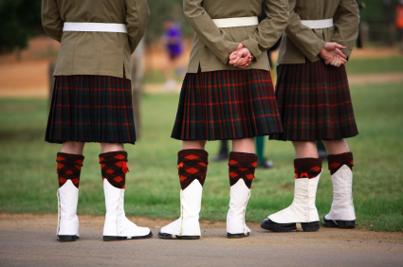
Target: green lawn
x,y
28,179
375,65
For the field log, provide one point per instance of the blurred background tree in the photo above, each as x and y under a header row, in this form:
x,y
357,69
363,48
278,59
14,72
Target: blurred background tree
x,y
19,20
379,16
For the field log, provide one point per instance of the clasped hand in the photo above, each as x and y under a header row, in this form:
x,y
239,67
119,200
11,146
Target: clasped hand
x,y
332,54
241,57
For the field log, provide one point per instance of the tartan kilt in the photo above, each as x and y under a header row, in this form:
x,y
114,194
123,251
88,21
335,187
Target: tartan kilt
x,y
89,108
314,102
226,105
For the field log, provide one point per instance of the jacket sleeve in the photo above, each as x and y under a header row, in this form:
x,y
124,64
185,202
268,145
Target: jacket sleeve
x,y
137,15
207,31
52,23
303,37
346,23
270,28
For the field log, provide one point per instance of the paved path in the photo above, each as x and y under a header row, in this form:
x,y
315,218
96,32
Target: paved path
x,y
27,240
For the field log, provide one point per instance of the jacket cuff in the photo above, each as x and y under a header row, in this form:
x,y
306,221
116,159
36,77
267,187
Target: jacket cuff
x,y
315,50
253,47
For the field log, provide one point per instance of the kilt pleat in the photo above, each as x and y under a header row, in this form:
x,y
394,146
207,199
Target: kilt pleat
x,y
314,102
225,105
88,108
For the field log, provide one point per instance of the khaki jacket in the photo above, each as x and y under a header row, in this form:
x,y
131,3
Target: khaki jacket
x,y
212,46
95,53
300,42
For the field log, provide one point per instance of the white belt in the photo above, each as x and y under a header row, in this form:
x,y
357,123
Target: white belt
x,y
94,27
236,22
318,24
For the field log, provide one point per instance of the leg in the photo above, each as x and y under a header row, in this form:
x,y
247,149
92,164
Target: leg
x,y
192,169
107,147
305,150
242,164
113,162
321,150
340,160
302,210
72,148
262,162
222,152
69,162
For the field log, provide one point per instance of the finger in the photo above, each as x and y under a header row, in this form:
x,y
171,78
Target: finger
x,y
339,46
340,53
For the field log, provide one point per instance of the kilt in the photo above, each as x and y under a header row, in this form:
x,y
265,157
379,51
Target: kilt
x,y
226,105
314,102
88,108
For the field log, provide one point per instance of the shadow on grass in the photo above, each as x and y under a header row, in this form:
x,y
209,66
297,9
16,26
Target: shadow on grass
x,y
21,135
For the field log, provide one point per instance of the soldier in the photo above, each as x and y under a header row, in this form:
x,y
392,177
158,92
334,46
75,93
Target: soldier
x,y
227,94
91,102
315,104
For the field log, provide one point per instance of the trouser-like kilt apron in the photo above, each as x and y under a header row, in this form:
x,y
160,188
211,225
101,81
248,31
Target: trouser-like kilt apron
x,y
314,102
88,108
226,105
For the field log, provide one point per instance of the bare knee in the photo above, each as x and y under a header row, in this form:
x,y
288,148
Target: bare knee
x,y
336,146
108,147
72,148
193,144
305,150
246,145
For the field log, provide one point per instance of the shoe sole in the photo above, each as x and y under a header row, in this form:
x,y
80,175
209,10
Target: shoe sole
x,y
67,238
289,227
237,236
338,224
180,237
121,238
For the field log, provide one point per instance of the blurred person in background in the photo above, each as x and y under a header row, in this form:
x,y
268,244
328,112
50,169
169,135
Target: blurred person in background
x,y
399,23
314,101
92,102
137,61
360,38
227,94
174,48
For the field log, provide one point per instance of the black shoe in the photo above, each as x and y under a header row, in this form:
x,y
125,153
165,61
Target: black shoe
x,y
180,237
235,236
67,238
338,224
120,238
268,224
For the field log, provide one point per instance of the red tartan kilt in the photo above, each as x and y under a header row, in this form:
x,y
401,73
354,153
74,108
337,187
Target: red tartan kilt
x,y
88,108
226,105
314,102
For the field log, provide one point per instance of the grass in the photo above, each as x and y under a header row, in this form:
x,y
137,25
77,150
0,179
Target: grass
x,y
375,65
28,179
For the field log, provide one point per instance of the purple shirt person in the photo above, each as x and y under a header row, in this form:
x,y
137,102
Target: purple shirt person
x,y
173,37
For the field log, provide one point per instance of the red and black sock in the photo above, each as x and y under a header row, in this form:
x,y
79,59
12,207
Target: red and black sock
x,y
114,167
338,160
307,167
242,166
69,168
192,164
